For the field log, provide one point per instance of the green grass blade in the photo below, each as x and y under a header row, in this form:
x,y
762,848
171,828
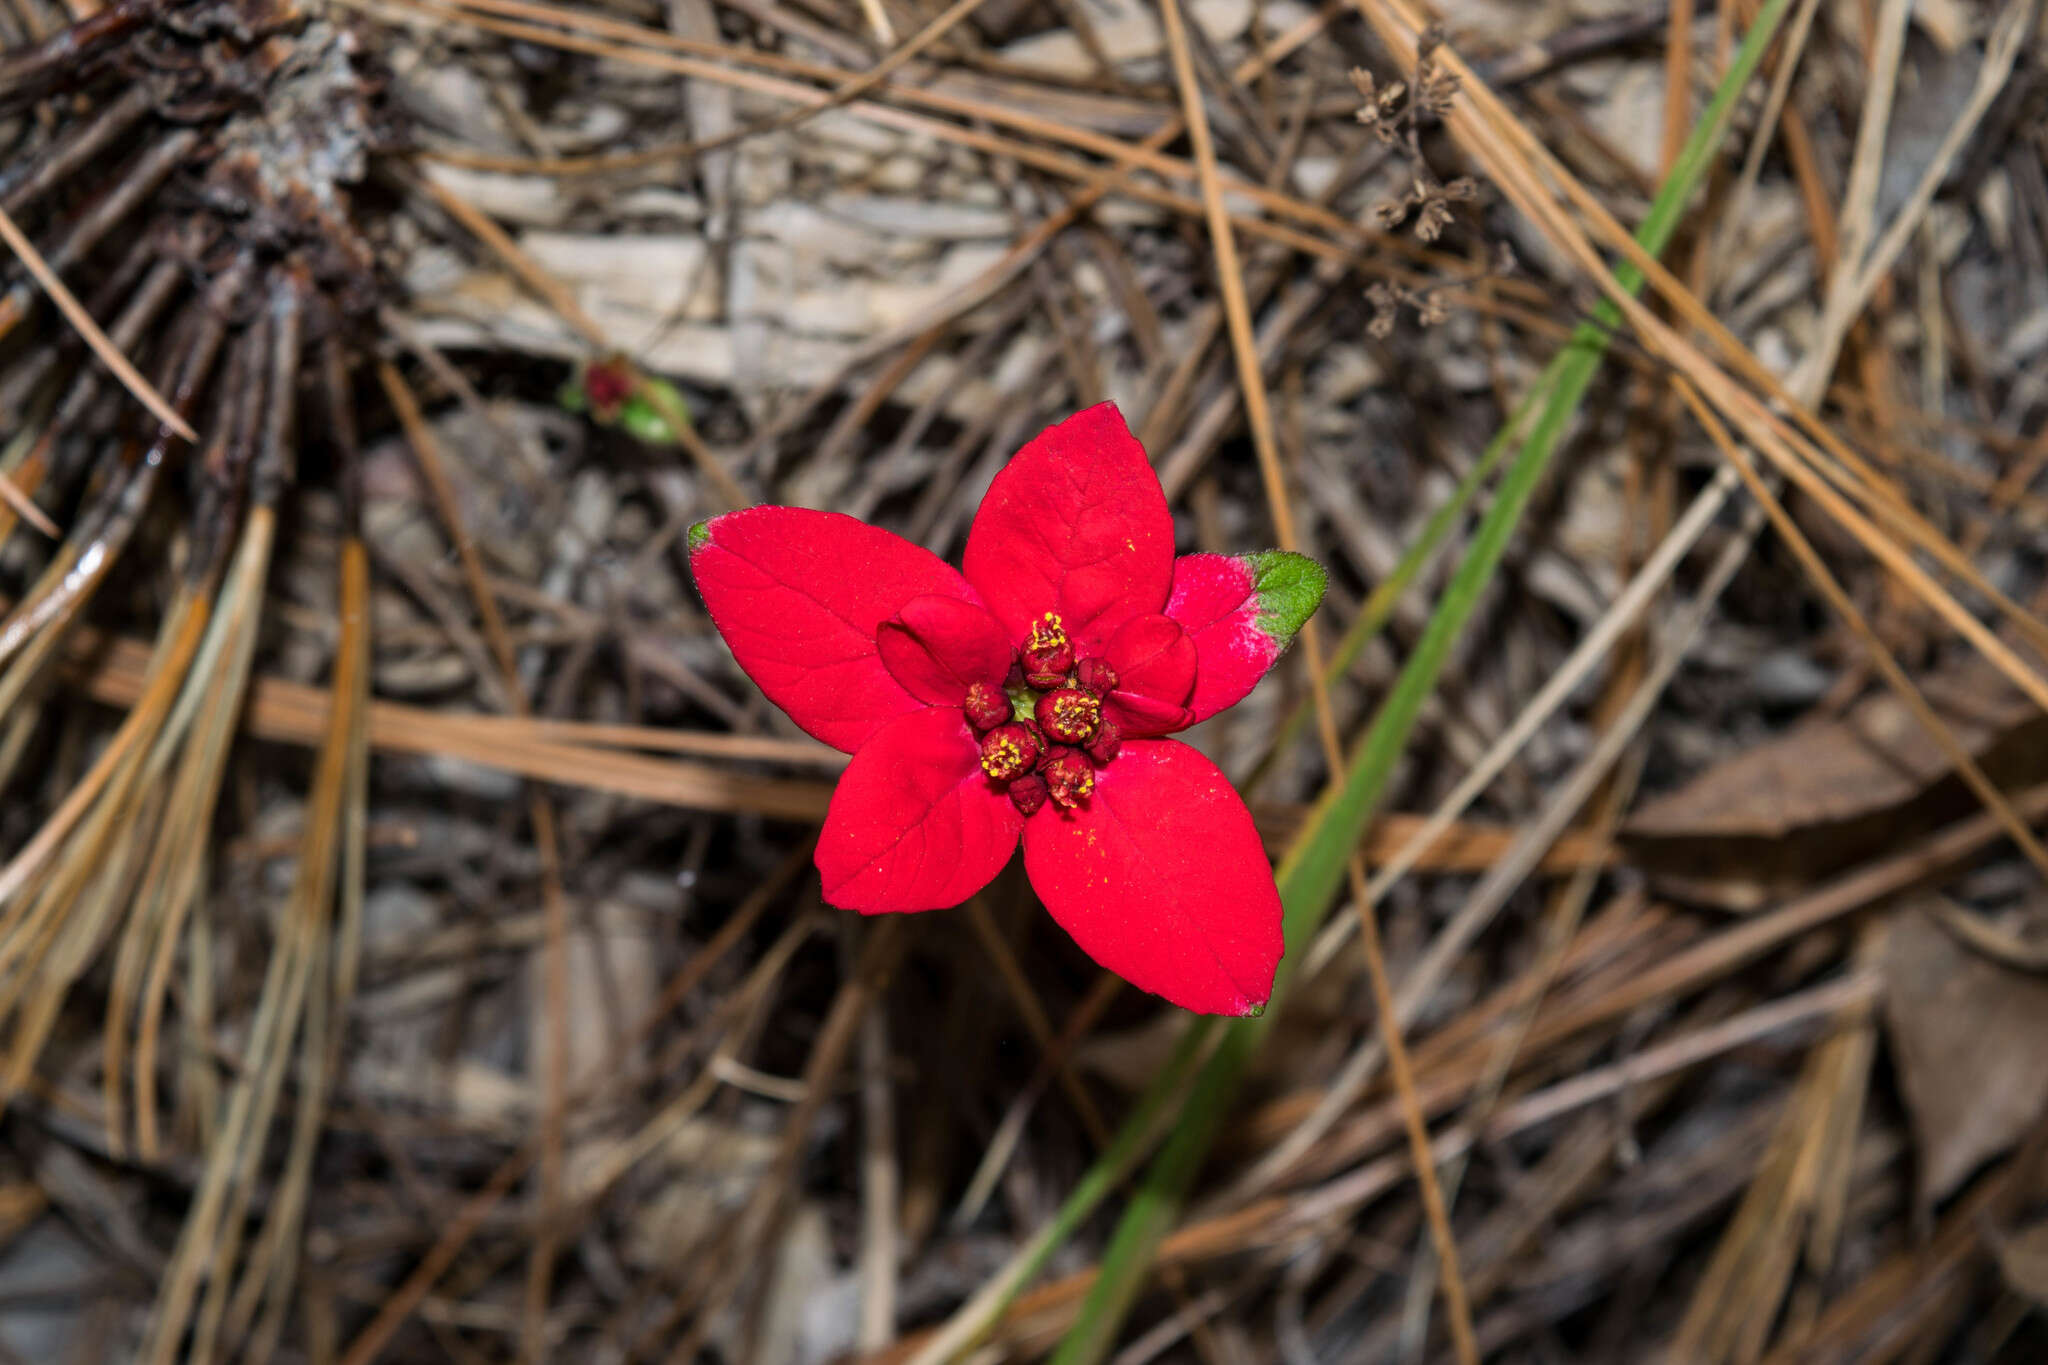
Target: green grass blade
x,y
1311,874
1379,605
1156,1108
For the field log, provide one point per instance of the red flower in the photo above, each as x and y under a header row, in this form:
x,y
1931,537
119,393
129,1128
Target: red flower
x,y
1075,616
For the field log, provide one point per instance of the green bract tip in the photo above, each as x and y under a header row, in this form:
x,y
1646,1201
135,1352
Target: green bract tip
x,y
1290,588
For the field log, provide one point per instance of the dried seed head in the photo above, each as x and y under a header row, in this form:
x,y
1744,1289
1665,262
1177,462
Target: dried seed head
x,y
1433,219
1435,92
1385,309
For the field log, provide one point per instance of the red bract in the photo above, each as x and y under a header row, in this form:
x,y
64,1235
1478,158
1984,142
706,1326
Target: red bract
x,y
1027,699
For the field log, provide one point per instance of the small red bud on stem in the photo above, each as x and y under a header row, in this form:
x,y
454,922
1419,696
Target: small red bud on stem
x,y
1028,793
1108,740
1097,676
987,706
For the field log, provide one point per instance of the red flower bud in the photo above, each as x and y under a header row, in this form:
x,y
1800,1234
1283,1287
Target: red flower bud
x,y
1069,715
608,383
1097,676
1069,777
1048,653
1009,751
1108,739
1028,793
987,706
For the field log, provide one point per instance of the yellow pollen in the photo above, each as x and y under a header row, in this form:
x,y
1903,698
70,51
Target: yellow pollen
x,y
1071,784
1047,634
1076,712
1004,758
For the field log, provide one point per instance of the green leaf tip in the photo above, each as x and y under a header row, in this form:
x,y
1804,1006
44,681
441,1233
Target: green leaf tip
x,y
656,413
699,534
1290,588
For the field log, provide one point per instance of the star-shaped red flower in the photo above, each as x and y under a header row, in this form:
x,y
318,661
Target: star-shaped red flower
x,y
1028,698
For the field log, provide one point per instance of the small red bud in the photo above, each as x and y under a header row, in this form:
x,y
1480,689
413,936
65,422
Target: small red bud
x,y
1069,715
1097,676
608,383
1069,777
1108,739
987,706
1028,793
1010,751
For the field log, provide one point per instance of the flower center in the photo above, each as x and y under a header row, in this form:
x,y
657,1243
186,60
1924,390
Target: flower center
x,y
1043,735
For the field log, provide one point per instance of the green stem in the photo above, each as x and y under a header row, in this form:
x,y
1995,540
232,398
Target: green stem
x,y
1133,1141
1311,874
1379,605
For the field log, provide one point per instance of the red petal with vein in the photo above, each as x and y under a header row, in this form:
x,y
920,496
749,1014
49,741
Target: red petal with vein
x,y
914,823
798,596
938,647
1161,878
1216,599
1075,523
1155,672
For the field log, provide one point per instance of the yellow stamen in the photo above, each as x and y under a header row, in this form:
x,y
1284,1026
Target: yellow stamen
x,y
1002,759
1076,713
1047,634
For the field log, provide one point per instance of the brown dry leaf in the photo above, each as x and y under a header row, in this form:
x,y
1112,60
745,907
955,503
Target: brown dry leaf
x,y
1828,794
2023,1260
1966,1037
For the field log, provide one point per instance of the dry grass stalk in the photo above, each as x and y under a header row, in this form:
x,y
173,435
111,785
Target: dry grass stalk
x,y
1251,380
